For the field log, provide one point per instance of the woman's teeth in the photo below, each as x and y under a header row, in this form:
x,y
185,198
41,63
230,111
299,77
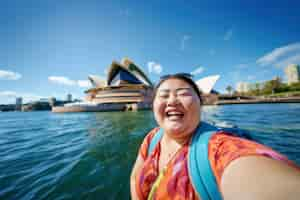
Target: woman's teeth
x,y
174,115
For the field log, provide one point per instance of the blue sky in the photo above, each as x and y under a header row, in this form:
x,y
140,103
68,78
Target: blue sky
x,y
49,47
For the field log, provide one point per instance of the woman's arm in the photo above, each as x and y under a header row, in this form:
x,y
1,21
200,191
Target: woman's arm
x,y
260,178
135,170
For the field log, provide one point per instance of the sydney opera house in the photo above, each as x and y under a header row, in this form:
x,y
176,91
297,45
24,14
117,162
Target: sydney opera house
x,y
126,87
125,83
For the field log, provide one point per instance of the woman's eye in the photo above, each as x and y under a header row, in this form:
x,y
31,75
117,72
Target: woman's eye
x,y
185,93
163,96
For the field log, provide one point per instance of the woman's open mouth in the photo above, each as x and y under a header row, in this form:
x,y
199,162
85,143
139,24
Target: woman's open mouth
x,y
174,115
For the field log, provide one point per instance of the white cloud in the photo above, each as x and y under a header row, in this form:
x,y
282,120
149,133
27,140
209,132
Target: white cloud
x,y
184,39
154,67
84,83
199,70
228,35
9,75
295,59
62,80
281,56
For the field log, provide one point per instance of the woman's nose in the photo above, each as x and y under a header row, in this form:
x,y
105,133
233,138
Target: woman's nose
x,y
172,100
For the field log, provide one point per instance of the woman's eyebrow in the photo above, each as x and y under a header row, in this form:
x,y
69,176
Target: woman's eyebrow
x,y
177,89
164,90
185,88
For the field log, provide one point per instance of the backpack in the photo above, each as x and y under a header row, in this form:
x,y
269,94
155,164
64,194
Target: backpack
x,y
202,177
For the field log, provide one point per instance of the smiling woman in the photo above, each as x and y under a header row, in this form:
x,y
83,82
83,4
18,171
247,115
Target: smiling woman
x,y
185,158
177,108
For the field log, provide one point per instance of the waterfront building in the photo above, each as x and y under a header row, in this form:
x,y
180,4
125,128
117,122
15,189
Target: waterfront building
x,y
97,81
126,84
292,73
126,87
69,97
206,84
242,87
19,101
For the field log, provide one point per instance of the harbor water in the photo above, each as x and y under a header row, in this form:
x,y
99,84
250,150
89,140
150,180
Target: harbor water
x,y
44,155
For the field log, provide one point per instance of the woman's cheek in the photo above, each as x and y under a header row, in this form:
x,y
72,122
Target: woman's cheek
x,y
158,109
161,109
189,101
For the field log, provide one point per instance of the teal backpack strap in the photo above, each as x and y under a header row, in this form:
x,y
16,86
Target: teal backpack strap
x,y
155,140
199,167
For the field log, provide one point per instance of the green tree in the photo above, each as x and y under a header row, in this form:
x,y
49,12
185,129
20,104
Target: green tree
x,y
272,86
294,86
283,88
229,89
256,89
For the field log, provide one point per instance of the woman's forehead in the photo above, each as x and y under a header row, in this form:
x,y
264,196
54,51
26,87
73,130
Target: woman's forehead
x,y
173,84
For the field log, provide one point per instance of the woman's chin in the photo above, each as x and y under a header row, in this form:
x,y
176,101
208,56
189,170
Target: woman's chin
x,y
178,128
174,128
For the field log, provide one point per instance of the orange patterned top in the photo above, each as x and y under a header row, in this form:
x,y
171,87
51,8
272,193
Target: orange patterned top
x,y
175,182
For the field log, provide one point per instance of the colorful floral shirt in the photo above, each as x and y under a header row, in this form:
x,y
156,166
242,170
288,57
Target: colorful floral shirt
x,y
173,182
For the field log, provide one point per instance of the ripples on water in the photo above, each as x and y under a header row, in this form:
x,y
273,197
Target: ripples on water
x,y
89,155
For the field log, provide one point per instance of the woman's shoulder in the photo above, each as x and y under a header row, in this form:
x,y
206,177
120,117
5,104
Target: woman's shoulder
x,y
224,148
146,142
244,167
259,177
224,144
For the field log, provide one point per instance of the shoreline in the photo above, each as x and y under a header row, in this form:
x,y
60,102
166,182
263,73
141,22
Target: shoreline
x,y
62,109
260,100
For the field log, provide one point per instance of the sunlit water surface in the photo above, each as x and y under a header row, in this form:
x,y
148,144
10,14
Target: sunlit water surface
x,y
44,155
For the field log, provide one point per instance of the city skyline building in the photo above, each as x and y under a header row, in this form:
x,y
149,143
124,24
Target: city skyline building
x,y
19,101
69,97
292,73
242,87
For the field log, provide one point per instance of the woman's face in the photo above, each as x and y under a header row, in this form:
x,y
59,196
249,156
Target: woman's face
x,y
177,107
